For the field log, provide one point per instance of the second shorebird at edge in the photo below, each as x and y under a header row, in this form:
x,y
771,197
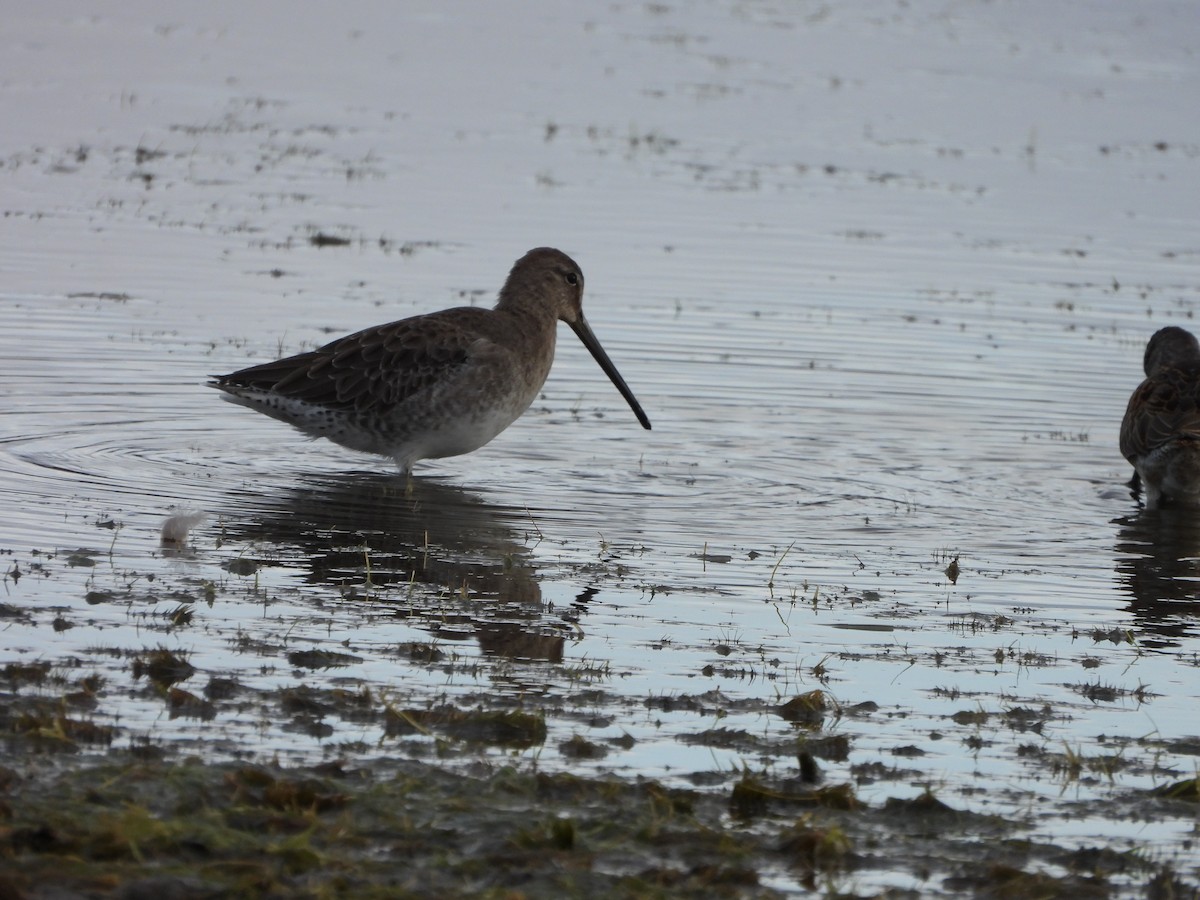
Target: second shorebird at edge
x,y
433,385
1160,434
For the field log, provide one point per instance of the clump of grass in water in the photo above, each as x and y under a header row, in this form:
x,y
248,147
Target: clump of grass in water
x,y
162,667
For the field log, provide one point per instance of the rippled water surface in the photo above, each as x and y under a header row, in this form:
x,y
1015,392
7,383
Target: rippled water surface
x,y
880,275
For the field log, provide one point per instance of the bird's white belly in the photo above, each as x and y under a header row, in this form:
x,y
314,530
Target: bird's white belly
x,y
463,434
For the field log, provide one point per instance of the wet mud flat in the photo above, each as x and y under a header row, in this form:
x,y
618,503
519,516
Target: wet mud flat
x,y
129,827
482,794
431,697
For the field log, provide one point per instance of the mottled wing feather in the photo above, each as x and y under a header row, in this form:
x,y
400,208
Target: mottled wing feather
x,y
378,367
1164,407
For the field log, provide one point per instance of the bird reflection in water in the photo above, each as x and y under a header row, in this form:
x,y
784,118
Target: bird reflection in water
x,y
1158,563
435,553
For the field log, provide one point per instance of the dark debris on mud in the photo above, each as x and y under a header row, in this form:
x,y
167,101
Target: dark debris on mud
x,y
81,816
130,827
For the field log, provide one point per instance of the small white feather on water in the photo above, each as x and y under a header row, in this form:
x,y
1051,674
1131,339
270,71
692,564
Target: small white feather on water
x,y
176,527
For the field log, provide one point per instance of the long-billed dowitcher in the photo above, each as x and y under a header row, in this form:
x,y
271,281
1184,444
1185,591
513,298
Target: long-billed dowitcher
x,y
1160,434
434,385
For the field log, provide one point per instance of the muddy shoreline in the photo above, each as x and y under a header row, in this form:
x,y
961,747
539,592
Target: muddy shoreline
x,y
433,809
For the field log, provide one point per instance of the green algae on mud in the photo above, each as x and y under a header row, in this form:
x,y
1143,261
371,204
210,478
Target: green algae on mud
x,y
126,823
122,827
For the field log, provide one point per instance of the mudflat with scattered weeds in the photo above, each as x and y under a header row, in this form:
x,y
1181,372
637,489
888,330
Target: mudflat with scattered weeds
x,y
125,826
435,810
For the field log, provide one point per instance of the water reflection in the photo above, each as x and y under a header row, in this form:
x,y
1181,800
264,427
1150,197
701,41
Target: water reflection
x,y
1158,562
434,552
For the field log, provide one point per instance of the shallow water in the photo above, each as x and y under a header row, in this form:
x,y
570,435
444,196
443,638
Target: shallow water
x,y
881,277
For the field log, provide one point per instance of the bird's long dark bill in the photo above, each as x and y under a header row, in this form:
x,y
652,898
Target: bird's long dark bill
x,y
584,331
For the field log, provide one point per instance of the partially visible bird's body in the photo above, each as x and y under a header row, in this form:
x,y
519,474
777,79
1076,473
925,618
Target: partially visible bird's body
x,y
433,385
1160,434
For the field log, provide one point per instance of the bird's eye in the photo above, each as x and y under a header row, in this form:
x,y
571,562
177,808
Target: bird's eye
x,y
572,278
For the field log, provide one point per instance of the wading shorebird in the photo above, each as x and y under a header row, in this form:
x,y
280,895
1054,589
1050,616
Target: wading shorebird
x,y
1160,434
434,385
